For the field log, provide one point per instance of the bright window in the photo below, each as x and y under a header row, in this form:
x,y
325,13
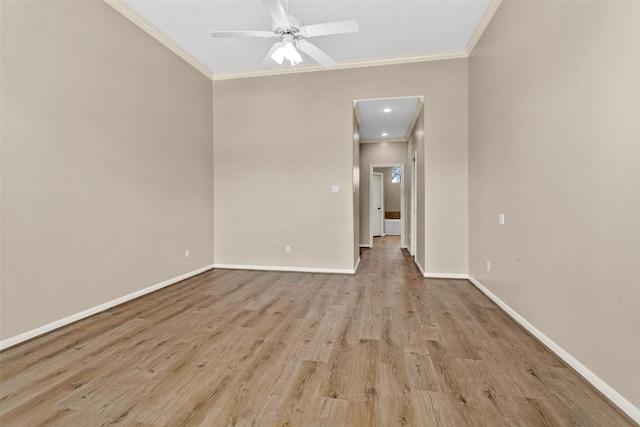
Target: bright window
x,y
396,174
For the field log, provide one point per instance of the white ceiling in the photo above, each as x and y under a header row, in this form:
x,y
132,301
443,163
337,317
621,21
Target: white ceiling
x,y
388,28
395,123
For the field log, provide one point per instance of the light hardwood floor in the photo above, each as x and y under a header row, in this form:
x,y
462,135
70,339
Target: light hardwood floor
x,y
382,348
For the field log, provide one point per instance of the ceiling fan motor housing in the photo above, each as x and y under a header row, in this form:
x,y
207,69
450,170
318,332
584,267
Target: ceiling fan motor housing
x,y
293,28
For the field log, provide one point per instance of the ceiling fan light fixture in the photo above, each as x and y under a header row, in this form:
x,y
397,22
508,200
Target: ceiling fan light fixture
x,y
286,50
291,53
279,54
296,59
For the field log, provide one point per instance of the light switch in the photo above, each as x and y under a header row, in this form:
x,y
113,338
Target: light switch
x,y
335,188
501,219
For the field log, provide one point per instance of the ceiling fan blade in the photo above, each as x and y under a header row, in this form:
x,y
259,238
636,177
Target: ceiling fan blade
x,y
314,52
217,34
277,12
267,62
326,29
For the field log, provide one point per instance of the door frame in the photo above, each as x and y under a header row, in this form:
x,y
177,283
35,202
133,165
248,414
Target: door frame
x,y
412,207
402,211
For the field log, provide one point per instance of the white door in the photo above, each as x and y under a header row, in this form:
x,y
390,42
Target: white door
x,y
376,204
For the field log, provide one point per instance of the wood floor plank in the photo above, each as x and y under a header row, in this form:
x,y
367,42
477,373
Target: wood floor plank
x,y
297,406
383,347
364,407
318,348
422,374
433,409
329,413
396,406
481,395
40,405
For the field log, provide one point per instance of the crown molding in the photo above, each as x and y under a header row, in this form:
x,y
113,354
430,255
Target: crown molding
x,y
360,63
482,25
154,32
379,140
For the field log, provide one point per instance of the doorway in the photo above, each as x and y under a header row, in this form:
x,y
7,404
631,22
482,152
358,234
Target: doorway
x,y
387,218
385,136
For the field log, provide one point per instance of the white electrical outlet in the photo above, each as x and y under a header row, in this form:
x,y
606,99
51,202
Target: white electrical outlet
x,y
488,265
500,219
287,249
187,253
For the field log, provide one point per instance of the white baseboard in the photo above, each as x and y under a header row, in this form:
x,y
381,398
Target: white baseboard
x,y
9,342
439,275
355,269
445,276
615,397
281,268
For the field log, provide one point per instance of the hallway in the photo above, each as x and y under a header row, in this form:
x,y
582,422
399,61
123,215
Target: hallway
x,y
386,241
233,347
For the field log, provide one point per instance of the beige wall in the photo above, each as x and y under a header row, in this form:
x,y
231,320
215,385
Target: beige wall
x,y
106,162
375,153
446,184
555,145
301,126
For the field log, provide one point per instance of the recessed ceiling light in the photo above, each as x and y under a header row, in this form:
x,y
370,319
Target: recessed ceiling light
x,y
387,109
384,134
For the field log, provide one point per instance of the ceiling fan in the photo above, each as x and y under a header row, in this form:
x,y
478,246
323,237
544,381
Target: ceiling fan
x,y
292,35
